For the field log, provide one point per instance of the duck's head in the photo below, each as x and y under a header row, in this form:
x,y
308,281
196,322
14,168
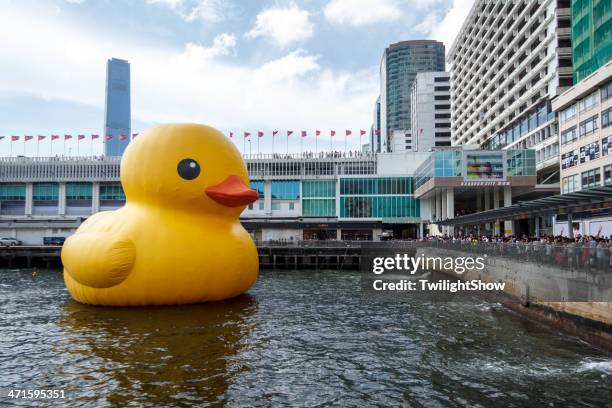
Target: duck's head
x,y
186,166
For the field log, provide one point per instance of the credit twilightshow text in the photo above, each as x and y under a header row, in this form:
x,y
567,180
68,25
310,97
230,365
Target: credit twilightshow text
x,y
438,286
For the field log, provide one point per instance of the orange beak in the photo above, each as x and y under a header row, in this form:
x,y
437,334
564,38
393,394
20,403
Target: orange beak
x,y
232,192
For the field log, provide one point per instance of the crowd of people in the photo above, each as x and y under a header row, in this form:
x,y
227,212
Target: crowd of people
x,y
581,250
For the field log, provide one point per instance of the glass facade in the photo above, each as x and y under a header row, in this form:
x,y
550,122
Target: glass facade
x,y
112,192
78,191
319,207
382,197
591,36
449,163
285,189
12,192
403,61
312,188
45,191
117,119
259,186
521,162
524,125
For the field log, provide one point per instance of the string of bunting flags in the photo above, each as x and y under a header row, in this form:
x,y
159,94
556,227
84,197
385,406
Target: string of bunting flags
x,y
246,135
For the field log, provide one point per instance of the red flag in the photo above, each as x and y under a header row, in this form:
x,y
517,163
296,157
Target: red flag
x,y
41,137
54,137
362,132
333,133
347,133
377,132
260,134
14,138
66,137
317,132
246,134
108,137
26,138
81,137
289,132
304,134
122,137
94,137
231,135
274,132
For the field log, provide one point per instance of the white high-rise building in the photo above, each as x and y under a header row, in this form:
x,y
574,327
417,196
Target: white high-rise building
x,y
510,59
431,113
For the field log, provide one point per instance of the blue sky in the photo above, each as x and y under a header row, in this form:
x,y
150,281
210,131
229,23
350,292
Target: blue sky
x,y
236,65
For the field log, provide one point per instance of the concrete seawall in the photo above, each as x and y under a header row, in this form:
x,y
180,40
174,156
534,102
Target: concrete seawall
x,y
572,300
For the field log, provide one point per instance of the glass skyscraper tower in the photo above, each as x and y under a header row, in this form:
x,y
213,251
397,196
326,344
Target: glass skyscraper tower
x,y
591,36
400,63
117,114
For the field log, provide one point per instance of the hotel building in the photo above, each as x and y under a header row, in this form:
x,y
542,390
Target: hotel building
x,y
509,60
431,113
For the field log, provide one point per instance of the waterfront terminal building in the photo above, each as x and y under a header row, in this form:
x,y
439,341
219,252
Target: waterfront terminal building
x,y
323,196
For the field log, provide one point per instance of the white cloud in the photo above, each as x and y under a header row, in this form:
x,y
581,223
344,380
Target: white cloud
x,y
295,64
192,10
362,12
223,44
445,28
57,61
283,25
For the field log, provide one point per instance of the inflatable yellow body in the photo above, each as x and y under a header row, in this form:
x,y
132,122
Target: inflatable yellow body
x,y
178,238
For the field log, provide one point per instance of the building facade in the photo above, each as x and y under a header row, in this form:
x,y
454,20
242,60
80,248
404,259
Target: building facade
x,y
585,133
431,113
591,36
509,60
398,68
117,111
300,197
375,132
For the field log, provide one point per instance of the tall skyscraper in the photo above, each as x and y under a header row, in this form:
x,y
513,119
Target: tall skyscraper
x,y
117,113
591,36
508,62
399,65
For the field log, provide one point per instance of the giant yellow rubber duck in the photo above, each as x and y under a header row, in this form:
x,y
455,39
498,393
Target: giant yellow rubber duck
x,y
178,238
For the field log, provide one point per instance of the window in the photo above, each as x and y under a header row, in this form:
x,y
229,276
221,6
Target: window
x,y
567,114
250,206
45,191
258,186
589,152
291,206
112,192
313,188
78,191
443,115
286,189
568,136
588,102
607,171
570,184
588,126
606,146
606,118
261,205
606,91
591,178
12,192
275,206
319,207
441,88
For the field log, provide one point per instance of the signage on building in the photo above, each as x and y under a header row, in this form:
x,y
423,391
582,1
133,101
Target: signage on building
x,y
484,183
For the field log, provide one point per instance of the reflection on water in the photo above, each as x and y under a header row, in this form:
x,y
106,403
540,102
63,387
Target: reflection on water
x,y
160,354
298,338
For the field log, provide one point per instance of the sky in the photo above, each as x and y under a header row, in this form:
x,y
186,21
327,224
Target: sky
x,y
237,65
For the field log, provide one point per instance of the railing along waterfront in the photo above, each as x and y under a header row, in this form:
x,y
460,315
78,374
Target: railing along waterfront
x,y
567,256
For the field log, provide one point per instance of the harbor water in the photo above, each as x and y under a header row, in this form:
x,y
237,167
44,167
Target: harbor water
x,y
298,338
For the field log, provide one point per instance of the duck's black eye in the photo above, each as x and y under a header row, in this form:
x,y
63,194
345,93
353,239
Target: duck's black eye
x,y
188,169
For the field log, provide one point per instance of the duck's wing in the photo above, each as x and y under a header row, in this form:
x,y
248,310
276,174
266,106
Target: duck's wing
x,y
98,259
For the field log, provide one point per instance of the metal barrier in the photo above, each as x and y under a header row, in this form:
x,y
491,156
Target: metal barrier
x,y
574,256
